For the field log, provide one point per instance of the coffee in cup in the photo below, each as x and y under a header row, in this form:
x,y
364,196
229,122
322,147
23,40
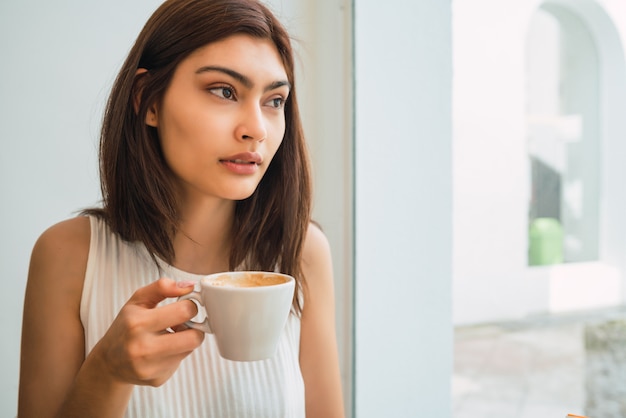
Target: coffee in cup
x,y
248,279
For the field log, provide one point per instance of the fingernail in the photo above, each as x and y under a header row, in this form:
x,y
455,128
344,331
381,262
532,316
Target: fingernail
x,y
185,283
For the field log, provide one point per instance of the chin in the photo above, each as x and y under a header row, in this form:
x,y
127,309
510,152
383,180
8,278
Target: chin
x,y
241,194
239,189
241,197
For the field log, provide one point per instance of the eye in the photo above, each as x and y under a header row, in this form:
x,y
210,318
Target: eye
x,y
224,92
276,103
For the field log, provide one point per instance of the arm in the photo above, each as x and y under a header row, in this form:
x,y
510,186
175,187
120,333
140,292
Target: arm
x,y
318,344
52,348
55,377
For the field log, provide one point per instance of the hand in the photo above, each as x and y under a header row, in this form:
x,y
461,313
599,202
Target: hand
x,y
137,348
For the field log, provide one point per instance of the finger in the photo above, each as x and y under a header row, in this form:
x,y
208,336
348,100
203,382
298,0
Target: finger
x,y
173,344
166,365
151,295
173,314
167,351
179,328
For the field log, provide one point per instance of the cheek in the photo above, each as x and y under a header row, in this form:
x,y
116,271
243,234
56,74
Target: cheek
x,y
192,133
276,143
181,146
278,134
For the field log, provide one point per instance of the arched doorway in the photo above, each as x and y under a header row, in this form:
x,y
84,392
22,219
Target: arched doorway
x,y
564,138
576,93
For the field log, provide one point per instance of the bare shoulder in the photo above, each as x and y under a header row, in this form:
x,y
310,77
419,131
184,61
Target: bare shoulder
x,y
70,231
316,247
317,265
64,247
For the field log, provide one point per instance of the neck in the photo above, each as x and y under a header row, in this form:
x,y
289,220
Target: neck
x,y
202,242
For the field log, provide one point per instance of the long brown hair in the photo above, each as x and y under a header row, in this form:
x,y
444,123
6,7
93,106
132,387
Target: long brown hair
x,y
139,194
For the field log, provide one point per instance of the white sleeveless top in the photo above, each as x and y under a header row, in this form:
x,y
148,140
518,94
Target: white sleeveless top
x,y
205,385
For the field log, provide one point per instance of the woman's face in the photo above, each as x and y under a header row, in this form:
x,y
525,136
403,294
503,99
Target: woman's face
x,y
222,117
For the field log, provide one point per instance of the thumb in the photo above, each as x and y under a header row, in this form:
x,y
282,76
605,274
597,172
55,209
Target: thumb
x,y
151,295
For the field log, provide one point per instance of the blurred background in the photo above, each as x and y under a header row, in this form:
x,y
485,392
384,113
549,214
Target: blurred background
x,y
539,94
468,160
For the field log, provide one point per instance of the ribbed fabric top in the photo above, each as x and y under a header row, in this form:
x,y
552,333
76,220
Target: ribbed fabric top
x,y
205,385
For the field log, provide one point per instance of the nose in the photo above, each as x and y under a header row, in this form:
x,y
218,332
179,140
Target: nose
x,y
252,125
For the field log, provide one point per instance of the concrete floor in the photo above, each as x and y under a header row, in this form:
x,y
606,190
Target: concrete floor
x,y
533,368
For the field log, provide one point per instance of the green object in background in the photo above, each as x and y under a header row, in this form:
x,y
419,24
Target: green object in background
x,y
545,242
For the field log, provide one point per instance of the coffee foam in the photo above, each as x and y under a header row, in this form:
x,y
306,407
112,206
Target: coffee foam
x,y
247,280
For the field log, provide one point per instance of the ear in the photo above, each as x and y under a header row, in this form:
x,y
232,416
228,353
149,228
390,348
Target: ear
x,y
151,115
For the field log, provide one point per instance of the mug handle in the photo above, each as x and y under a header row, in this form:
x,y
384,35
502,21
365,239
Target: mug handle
x,y
201,326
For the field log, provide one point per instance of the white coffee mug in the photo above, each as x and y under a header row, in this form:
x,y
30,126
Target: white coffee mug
x,y
245,310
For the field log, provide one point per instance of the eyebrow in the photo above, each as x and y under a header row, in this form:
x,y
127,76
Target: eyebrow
x,y
241,78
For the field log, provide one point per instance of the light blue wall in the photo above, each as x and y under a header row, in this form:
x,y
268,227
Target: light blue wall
x,y
403,213
59,59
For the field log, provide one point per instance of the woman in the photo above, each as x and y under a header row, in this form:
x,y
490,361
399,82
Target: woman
x,y
203,169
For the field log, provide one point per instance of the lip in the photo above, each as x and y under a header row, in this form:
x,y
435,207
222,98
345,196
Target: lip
x,y
244,158
245,163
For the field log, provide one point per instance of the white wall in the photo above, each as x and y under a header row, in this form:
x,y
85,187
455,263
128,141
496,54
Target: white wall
x,y
491,178
403,336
